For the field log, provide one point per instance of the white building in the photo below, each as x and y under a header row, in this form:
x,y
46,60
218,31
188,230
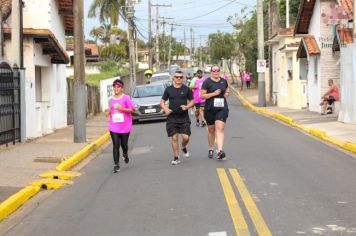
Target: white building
x,y
46,23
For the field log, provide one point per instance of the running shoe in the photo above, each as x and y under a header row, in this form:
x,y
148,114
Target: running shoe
x,y
126,158
203,124
211,154
186,154
176,161
221,155
116,169
198,123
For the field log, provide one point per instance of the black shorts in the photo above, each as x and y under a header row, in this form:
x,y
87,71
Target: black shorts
x,y
331,100
177,128
213,115
198,105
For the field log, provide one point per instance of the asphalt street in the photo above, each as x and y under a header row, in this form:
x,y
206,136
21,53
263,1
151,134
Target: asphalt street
x,y
275,181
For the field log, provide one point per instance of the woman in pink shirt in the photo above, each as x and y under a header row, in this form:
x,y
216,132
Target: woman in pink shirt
x,y
120,122
329,98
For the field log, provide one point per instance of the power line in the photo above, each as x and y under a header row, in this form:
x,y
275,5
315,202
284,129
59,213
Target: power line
x,y
208,12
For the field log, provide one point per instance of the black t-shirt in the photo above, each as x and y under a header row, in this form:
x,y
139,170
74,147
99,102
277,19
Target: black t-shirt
x,y
178,97
216,102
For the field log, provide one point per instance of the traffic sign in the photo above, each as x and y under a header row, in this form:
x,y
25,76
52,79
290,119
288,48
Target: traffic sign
x,y
261,66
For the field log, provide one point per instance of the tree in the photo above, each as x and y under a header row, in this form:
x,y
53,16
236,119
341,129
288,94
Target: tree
x,y
114,52
108,10
97,33
293,11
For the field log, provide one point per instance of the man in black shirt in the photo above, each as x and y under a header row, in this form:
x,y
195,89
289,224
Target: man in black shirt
x,y
178,121
215,91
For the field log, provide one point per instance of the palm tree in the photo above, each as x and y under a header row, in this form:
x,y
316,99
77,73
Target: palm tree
x,y
107,10
96,33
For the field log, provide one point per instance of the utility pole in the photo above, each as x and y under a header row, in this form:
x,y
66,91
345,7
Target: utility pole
x,y
80,96
287,13
132,61
149,35
185,59
157,33
164,39
15,32
170,47
191,46
260,44
201,54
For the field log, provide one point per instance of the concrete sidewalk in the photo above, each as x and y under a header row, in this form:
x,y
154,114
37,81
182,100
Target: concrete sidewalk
x,y
22,163
326,123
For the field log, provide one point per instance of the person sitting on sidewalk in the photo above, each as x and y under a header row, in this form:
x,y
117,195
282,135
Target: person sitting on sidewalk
x,y
329,98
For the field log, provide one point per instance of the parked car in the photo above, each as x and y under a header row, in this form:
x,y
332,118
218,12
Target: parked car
x,y
172,68
147,98
207,68
164,76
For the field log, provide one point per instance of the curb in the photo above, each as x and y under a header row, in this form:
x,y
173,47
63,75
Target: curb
x,y
16,200
349,146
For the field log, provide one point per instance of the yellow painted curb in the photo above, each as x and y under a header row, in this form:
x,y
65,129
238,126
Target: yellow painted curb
x,y
77,157
350,146
50,183
333,141
53,174
299,126
283,118
16,200
317,133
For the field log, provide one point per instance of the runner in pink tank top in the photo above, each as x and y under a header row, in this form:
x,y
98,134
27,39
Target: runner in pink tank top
x,y
199,102
120,122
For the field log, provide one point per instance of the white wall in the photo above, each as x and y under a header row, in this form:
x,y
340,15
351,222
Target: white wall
x,y
106,85
37,14
348,84
314,85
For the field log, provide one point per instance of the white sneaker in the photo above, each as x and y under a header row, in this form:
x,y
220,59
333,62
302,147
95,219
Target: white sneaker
x,y
175,162
186,154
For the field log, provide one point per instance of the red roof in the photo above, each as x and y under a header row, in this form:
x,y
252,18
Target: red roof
x,y
90,49
345,35
308,46
347,5
305,13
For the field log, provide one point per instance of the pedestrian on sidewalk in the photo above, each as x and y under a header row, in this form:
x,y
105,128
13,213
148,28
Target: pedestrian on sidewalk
x,y
215,90
180,99
248,79
120,122
196,85
329,98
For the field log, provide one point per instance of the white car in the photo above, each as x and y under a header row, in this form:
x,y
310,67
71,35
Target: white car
x,y
165,76
207,68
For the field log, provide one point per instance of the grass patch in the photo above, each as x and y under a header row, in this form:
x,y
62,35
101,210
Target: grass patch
x,y
94,79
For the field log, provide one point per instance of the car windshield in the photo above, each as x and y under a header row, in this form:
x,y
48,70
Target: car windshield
x,y
160,78
148,91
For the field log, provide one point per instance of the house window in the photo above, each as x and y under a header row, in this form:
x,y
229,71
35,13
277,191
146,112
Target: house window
x,y
289,68
315,69
38,83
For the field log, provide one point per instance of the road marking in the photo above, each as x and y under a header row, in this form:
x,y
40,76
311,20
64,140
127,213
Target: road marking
x,y
238,220
223,233
257,219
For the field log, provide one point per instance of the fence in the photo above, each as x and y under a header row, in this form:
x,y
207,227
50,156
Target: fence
x,y
9,104
93,100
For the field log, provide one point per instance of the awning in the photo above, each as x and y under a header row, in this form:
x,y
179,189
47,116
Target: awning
x,y
49,43
308,47
342,38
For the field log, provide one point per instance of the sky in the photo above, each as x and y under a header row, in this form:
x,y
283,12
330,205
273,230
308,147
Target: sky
x,y
204,16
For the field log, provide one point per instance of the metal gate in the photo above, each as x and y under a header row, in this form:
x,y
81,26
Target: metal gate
x,y
9,104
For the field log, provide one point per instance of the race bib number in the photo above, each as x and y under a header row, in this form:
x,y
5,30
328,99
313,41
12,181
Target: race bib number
x,y
118,118
219,102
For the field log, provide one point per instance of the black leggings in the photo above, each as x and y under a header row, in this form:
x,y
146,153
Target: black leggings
x,y
117,141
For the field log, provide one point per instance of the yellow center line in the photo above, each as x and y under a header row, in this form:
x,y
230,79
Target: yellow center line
x,y
257,219
238,220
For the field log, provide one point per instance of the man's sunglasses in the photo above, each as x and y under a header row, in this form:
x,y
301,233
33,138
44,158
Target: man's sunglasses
x,y
178,77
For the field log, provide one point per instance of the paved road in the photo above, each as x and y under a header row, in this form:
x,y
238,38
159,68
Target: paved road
x,y
276,181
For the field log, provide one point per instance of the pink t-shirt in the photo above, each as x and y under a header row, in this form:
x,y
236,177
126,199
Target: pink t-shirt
x,y
120,122
197,89
248,77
